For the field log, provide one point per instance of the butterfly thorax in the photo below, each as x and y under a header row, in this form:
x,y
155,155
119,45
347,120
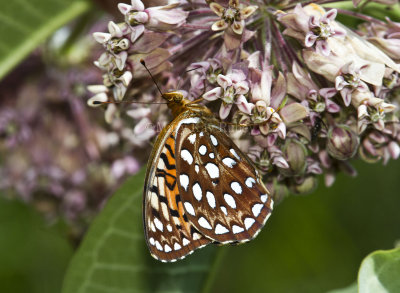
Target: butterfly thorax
x,y
178,104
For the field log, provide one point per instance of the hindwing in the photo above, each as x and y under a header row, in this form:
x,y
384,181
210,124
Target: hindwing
x,y
220,189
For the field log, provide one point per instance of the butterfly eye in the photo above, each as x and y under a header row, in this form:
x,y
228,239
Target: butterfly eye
x,y
178,97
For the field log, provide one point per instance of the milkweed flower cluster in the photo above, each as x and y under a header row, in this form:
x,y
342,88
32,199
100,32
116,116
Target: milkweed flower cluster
x,y
313,93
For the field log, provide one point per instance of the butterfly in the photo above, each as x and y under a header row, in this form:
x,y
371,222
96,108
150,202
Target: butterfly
x,y
200,188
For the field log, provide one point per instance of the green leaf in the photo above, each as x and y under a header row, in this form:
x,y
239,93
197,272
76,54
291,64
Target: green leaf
x,y
113,256
33,255
380,272
24,24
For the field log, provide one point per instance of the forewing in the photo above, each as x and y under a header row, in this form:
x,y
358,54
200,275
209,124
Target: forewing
x,y
169,234
221,192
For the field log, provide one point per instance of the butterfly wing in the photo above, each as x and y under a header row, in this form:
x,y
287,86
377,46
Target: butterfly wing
x,y
221,192
169,234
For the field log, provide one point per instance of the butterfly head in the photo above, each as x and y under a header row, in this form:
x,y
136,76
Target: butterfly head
x,y
173,97
176,102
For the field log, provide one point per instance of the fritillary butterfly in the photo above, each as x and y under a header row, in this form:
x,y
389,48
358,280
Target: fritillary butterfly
x,y
199,187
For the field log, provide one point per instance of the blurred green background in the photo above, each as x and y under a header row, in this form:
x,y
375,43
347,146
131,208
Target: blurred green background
x,y
312,243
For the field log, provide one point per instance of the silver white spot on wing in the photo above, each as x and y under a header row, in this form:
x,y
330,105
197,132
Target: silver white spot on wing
x,y
236,187
264,198
250,182
152,242
204,223
201,134
212,170
256,209
219,229
202,150
211,155
177,246
230,200
158,224
158,245
191,120
196,168
189,208
214,141
223,209
233,152
197,191
237,229
248,222
184,181
211,199
187,156
167,248
185,241
169,228
196,236
192,138
229,162
152,227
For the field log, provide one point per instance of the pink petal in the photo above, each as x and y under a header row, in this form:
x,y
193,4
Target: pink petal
x,y
271,139
323,47
329,179
121,59
325,159
340,83
224,81
281,130
328,92
330,15
339,32
137,31
213,94
101,37
313,22
137,5
241,88
114,29
280,162
124,8
243,105
310,39
141,17
331,106
394,150
346,95
224,110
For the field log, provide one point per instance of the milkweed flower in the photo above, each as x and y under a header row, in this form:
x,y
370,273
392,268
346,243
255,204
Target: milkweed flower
x,y
313,93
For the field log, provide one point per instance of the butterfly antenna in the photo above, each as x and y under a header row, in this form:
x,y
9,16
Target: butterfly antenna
x,y
151,75
187,72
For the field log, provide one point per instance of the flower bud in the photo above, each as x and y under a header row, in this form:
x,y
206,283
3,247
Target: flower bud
x,y
342,142
308,185
295,153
